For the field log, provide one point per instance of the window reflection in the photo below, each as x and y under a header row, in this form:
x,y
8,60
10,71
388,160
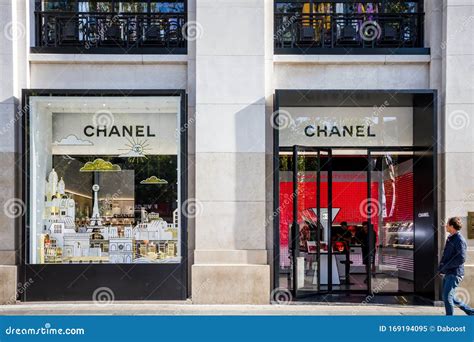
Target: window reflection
x,y
118,6
365,24
346,7
104,192
166,7
62,5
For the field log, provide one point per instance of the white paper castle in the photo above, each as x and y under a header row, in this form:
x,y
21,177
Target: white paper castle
x,y
59,208
151,240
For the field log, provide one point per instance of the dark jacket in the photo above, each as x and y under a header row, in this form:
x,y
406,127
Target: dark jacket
x,y
363,239
454,255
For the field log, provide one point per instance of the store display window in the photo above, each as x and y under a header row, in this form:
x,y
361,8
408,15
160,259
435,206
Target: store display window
x,y
104,180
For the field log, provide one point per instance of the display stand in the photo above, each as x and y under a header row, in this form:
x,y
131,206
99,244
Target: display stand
x,y
324,270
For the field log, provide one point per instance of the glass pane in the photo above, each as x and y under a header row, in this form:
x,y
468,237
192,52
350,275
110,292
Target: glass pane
x,y
349,239
167,7
96,6
131,6
313,232
286,216
127,6
393,172
104,182
348,7
288,7
400,6
308,222
61,5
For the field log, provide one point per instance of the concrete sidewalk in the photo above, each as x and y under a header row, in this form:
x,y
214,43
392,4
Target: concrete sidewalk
x,y
186,308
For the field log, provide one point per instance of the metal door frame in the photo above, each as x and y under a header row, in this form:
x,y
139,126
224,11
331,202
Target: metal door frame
x,y
295,234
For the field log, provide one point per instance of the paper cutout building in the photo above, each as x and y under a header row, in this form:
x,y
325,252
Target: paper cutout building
x,y
151,240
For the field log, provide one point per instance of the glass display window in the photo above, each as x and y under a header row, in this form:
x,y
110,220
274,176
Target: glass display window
x,y
104,180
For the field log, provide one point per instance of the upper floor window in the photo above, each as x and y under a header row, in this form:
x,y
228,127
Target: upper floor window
x,y
166,6
110,26
348,26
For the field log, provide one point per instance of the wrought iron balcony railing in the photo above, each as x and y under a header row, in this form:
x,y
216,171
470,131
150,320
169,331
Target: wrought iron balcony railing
x,y
299,33
98,32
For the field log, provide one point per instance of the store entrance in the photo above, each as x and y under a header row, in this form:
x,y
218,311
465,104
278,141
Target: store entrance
x,y
346,220
369,158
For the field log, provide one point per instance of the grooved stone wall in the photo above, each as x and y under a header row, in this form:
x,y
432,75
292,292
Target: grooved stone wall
x,y
230,154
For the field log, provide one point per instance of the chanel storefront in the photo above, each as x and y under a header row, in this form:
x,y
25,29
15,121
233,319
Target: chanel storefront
x,y
104,182
354,190
105,188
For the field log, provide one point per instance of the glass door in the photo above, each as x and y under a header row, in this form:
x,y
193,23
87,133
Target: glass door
x,y
349,234
313,264
393,214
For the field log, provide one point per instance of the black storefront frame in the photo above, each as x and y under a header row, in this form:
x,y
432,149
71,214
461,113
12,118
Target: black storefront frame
x,y
424,103
127,281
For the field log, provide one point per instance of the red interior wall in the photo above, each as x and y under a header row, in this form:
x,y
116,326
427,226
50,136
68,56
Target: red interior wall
x,y
347,196
403,200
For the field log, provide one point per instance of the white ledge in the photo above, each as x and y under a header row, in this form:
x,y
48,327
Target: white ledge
x,y
55,58
352,59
